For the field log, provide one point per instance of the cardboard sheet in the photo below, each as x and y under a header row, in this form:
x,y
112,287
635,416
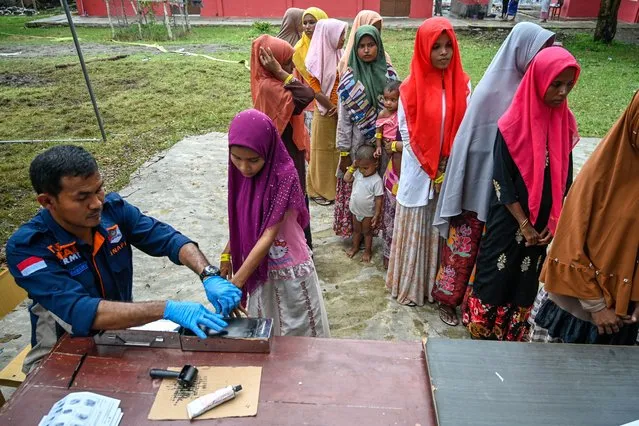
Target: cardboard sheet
x,y
171,400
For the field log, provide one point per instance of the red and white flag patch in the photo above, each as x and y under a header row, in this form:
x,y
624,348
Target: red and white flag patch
x,y
30,265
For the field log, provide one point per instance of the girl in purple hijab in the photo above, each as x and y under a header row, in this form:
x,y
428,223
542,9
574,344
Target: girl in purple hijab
x,y
267,256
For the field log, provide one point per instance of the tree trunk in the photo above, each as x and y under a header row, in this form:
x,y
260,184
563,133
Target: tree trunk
x,y
607,21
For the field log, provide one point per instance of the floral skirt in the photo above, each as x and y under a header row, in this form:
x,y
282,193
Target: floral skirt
x,y
458,259
497,322
342,217
294,302
388,222
414,256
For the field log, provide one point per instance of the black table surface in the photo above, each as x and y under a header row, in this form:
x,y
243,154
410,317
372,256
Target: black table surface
x,y
506,383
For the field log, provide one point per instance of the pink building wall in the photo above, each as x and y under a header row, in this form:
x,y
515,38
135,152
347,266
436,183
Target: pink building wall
x,y
589,9
270,8
629,11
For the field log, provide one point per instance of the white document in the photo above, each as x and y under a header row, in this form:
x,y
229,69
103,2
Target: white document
x,y
159,325
84,409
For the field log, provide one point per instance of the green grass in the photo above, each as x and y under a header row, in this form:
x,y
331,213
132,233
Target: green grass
x,y
151,101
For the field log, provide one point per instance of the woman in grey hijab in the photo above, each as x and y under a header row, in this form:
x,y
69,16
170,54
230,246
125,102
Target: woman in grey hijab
x,y
463,202
291,28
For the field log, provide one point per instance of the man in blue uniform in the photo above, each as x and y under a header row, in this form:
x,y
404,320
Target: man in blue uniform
x,y
74,258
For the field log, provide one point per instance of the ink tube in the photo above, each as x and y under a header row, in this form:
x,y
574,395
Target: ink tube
x,y
211,400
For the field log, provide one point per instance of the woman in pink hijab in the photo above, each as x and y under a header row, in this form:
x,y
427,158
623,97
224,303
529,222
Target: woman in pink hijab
x,y
531,176
322,59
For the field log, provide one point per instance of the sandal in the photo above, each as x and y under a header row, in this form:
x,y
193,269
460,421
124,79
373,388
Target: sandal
x,y
448,315
322,201
411,304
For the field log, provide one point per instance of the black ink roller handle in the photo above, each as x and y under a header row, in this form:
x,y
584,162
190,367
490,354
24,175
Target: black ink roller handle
x,y
163,374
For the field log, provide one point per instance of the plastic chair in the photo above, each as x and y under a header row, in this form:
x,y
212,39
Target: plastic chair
x,y
555,9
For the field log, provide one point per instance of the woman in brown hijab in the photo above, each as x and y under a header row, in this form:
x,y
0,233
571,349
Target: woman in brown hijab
x,y
291,28
591,271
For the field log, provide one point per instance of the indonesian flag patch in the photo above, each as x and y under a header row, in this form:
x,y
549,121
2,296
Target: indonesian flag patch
x,y
30,265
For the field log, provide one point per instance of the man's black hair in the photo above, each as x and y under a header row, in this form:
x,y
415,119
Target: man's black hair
x,y
48,168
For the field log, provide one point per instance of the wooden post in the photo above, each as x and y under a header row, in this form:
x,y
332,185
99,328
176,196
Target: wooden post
x,y
138,14
126,21
166,21
181,7
108,8
186,15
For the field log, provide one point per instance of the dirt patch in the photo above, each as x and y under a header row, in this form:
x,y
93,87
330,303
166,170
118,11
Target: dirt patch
x,y
21,80
28,50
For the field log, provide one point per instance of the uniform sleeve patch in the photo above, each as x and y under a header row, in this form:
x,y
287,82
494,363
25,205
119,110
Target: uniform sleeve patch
x,y
30,265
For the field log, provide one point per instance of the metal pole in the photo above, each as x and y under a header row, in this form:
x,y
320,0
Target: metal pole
x,y
65,4
50,140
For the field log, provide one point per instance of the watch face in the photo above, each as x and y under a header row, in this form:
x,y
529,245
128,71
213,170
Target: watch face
x,y
209,271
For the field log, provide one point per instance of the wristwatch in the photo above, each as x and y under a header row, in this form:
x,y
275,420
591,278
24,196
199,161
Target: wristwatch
x,y
209,271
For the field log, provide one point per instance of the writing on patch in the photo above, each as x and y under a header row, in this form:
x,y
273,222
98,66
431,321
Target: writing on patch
x,y
67,253
79,269
116,249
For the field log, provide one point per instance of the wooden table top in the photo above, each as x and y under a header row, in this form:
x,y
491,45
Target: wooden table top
x,y
304,381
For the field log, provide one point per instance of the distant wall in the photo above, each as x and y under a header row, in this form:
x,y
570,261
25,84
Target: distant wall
x,y
589,9
270,8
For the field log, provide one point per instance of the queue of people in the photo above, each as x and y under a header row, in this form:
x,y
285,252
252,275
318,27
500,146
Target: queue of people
x,y
467,191
469,187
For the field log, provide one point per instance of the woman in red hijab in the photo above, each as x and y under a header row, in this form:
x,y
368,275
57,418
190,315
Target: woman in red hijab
x,y
532,174
432,104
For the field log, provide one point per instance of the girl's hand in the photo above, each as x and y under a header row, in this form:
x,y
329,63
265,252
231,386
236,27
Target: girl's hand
x,y
374,221
545,237
332,111
388,146
269,62
226,270
607,321
234,280
344,163
238,312
378,152
531,235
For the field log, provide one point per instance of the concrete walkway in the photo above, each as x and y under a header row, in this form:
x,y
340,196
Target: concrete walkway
x,y
389,22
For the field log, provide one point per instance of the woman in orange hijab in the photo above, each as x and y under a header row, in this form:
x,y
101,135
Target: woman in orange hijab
x,y
591,271
278,94
432,104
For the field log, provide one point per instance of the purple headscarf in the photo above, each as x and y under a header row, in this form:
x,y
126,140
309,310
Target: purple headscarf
x,y
260,202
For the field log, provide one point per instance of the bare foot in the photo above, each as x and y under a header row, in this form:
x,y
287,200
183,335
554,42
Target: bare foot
x,y
366,257
352,252
385,263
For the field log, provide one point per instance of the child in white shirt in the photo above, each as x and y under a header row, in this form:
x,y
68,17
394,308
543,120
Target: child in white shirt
x,y
366,199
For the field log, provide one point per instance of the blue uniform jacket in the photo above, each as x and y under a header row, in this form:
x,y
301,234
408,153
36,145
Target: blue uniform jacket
x,y
69,277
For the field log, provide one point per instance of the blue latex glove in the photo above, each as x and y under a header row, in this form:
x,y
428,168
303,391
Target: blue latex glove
x,y
191,315
222,294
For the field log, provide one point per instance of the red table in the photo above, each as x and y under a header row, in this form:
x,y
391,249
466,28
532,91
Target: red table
x,y
304,381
